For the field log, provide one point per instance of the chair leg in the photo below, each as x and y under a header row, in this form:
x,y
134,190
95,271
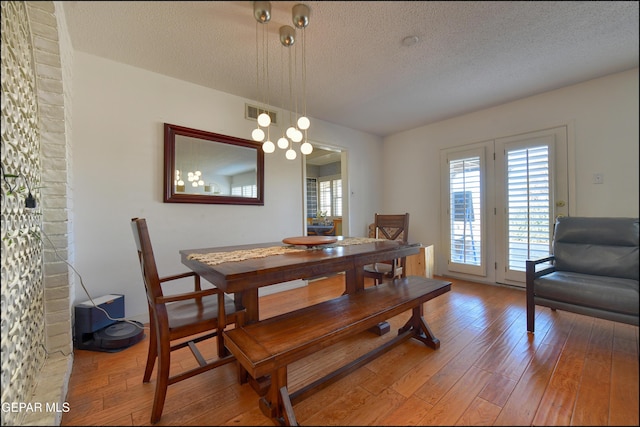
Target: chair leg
x,y
162,380
152,353
531,311
222,350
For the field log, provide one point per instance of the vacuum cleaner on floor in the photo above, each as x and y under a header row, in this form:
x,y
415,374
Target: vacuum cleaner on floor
x,y
95,331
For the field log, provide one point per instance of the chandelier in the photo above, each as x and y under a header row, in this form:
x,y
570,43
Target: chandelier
x,y
299,124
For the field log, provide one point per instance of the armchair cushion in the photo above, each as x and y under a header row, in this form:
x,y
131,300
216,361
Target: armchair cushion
x,y
605,293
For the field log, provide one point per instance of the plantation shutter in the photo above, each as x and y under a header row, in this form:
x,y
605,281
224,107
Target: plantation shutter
x,y
528,205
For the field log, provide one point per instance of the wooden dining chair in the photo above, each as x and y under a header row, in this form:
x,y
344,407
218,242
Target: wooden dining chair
x,y
180,320
391,227
337,226
310,232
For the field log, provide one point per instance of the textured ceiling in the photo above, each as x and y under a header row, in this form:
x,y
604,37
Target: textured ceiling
x,y
470,55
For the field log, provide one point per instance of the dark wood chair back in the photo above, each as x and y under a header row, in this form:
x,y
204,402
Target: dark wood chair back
x,y
147,261
390,227
179,320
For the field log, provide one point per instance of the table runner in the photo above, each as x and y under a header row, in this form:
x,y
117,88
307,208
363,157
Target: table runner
x,y
215,258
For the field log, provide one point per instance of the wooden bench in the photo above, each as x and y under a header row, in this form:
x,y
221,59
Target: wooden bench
x,y
267,347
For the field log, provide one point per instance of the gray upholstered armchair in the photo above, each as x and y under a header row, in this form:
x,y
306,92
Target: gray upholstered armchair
x,y
593,271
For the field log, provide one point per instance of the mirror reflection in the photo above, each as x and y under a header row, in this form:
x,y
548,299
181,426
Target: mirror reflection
x,y
212,168
204,167
324,193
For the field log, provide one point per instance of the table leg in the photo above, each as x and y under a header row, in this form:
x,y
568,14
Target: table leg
x,y
249,300
354,282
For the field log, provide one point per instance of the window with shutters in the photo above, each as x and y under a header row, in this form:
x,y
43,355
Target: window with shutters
x,y
464,212
330,196
464,175
245,191
528,205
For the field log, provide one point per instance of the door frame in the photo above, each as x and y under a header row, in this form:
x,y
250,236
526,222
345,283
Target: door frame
x,y
491,222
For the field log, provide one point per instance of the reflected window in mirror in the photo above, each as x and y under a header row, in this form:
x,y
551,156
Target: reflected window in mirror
x,y
205,167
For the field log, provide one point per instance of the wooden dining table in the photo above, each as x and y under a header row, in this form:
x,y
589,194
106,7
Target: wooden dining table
x,y
243,269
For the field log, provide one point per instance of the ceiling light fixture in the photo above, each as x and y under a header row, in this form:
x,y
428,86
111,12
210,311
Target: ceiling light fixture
x,y
297,131
262,14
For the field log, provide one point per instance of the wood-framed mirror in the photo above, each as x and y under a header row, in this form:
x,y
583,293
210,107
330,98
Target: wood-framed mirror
x,y
206,167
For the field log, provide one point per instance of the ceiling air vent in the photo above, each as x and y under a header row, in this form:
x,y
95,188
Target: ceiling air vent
x,y
251,112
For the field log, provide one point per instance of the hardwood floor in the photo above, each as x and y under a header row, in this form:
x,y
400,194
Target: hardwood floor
x,y
575,370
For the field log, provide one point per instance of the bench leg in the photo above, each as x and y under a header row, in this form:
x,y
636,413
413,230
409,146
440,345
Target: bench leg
x,y
260,385
287,408
421,330
277,404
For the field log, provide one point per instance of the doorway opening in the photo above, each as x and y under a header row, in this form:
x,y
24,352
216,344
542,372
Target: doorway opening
x,y
325,209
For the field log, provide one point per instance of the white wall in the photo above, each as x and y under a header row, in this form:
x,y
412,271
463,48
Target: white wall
x,y
603,114
118,112
118,116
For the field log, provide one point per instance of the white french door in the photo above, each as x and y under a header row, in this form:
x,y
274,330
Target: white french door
x,y
465,204
531,190
499,202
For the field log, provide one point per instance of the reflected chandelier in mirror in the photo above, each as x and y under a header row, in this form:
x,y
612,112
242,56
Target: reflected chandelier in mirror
x,y
206,167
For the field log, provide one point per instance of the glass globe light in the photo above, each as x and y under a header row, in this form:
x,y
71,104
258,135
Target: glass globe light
x,y
201,182
304,123
268,146
290,154
306,148
283,143
197,173
181,182
291,131
264,120
257,134
297,136
194,184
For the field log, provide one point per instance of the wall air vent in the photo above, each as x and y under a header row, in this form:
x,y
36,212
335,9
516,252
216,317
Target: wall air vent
x,y
251,112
